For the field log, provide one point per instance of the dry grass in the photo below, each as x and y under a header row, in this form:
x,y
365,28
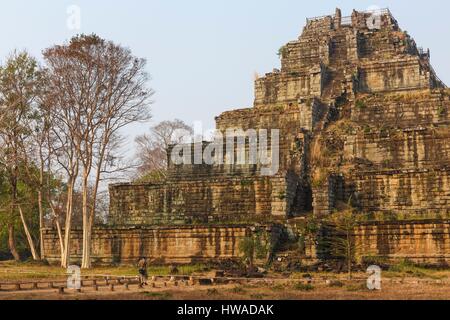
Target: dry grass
x,y
403,281
350,291
16,271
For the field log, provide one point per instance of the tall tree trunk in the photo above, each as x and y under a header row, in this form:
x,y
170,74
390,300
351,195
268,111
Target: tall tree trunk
x,y
58,229
90,212
28,234
41,223
87,231
349,256
60,236
41,193
86,257
65,259
12,242
11,236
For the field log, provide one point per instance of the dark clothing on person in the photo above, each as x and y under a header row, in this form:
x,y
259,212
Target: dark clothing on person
x,y
142,266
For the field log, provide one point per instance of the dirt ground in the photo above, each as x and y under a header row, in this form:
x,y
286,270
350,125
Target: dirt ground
x,y
402,284
353,291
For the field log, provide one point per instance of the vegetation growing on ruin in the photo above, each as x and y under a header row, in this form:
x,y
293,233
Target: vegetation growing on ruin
x,y
152,177
253,247
282,51
360,104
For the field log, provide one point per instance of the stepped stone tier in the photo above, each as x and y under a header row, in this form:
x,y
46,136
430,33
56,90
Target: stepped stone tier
x,y
363,119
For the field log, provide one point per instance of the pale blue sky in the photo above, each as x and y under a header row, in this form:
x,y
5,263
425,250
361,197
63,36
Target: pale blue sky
x,y
202,55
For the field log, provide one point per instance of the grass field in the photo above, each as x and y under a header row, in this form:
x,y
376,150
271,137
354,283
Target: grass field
x,y
403,281
10,270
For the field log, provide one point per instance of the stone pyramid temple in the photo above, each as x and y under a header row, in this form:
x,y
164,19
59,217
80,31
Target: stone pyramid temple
x,y
363,121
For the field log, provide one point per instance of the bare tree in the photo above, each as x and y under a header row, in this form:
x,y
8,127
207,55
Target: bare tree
x,y
41,152
153,147
100,88
20,85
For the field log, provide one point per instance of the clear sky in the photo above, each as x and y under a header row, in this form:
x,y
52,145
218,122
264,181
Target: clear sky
x,y
202,54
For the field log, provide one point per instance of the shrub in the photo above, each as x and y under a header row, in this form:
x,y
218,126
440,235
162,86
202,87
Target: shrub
x,y
212,292
282,52
375,260
158,295
336,284
360,104
254,246
408,267
238,289
278,287
303,287
357,287
246,183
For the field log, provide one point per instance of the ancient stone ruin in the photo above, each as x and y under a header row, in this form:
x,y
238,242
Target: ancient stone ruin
x,y
364,122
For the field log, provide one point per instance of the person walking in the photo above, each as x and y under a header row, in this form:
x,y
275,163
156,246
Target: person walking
x,y
142,266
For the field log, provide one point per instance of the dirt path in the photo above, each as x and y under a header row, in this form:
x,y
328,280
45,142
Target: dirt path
x,y
412,290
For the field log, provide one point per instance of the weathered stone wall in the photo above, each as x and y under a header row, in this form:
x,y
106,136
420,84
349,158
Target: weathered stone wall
x,y
410,109
407,193
311,113
299,56
393,75
288,87
400,172
199,201
183,244
292,120
420,148
419,241
327,195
